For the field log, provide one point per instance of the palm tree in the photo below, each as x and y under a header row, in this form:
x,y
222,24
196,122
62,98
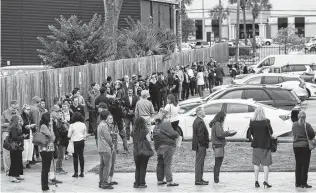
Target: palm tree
x,y
256,6
219,14
243,7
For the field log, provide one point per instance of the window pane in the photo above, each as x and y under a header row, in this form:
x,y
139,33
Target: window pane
x,y
281,94
256,80
257,95
232,95
271,80
213,109
237,108
297,68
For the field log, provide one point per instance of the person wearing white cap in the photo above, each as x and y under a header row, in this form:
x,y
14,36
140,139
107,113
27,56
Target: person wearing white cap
x,y
144,108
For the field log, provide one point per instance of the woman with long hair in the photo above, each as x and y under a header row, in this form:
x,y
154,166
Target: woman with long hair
x,y
140,133
77,134
46,150
172,111
259,133
16,135
27,129
302,132
119,93
200,81
218,142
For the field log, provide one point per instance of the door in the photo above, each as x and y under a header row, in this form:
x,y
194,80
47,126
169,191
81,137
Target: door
x,y
259,95
238,118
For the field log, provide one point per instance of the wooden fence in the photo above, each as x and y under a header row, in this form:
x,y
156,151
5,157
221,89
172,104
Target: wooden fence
x,y
57,82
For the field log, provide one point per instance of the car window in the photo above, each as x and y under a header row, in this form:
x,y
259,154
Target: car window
x,y
281,94
236,94
290,78
255,80
268,62
213,109
271,80
238,108
205,43
256,94
276,70
297,68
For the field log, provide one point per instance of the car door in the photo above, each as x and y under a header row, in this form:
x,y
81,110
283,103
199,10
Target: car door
x,y
238,118
259,95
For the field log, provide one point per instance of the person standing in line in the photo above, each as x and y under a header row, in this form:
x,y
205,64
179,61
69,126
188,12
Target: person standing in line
x,y
42,107
77,135
67,120
90,102
16,135
102,98
46,150
192,80
144,108
130,104
27,129
35,119
205,75
218,142
126,84
200,81
76,93
140,133
211,78
200,142
165,145
172,111
105,148
185,85
154,90
102,107
301,132
5,125
175,88
259,133
163,89
119,91
76,106
219,71
170,78
179,72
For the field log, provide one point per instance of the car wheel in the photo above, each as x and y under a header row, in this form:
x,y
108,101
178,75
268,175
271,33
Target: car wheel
x,y
309,92
268,43
180,132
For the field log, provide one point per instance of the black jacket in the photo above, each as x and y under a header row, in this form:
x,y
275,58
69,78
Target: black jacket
x,y
79,109
259,135
154,90
61,132
200,134
27,121
128,105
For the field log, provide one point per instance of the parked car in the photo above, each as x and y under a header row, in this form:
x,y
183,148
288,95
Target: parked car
x,y
201,45
288,81
267,41
15,70
239,112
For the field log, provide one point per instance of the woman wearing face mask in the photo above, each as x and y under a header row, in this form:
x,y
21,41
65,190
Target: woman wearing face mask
x,y
27,129
16,167
301,131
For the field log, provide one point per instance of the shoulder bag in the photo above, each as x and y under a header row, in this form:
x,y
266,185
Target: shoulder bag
x,y
312,142
144,148
273,141
40,138
9,144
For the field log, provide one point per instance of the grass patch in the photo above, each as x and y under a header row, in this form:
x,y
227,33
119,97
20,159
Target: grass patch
x,y
238,158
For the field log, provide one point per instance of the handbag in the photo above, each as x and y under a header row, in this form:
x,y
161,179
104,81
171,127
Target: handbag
x,y
144,149
40,139
9,144
273,141
311,142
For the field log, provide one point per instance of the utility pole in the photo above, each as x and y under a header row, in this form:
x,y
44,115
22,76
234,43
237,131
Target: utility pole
x,y
237,31
203,22
179,25
220,21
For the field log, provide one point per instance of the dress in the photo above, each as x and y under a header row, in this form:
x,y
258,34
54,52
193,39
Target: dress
x,y
261,156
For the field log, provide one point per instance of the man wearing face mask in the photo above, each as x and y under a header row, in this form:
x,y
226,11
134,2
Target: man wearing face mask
x,y
163,89
5,122
154,91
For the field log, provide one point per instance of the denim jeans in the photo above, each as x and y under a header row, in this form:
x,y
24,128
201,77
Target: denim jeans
x,y
105,167
78,154
164,166
47,157
128,120
141,163
60,157
217,168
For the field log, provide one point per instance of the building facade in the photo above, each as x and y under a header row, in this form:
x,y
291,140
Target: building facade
x,y
25,20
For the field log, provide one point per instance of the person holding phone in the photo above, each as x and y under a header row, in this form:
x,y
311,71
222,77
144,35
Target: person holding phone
x,y
27,130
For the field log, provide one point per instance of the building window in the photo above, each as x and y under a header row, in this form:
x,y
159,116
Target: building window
x,y
300,25
282,22
215,28
199,29
248,30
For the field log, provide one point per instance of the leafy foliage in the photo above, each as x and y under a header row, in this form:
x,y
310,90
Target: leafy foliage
x,y
75,42
188,28
141,40
289,39
214,12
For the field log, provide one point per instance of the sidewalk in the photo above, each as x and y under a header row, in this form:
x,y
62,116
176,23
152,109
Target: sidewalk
x,y
234,182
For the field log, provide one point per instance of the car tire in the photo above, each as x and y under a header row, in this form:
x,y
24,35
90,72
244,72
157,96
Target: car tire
x,y
309,93
268,43
180,132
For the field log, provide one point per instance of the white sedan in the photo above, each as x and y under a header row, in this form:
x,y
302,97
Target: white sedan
x,y
239,112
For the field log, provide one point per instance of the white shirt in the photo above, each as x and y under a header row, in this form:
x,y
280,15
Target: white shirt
x,y
172,112
190,73
77,131
130,100
200,78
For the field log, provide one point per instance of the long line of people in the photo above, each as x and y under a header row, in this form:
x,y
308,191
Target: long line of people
x,y
122,109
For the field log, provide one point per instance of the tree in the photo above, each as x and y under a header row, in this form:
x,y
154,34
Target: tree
x,y
256,6
289,39
219,13
75,42
181,17
243,7
188,28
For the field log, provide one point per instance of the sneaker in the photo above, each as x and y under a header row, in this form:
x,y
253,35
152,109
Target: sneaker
x,y
114,183
56,181
19,178
142,186
81,175
75,176
106,186
15,181
161,183
172,184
